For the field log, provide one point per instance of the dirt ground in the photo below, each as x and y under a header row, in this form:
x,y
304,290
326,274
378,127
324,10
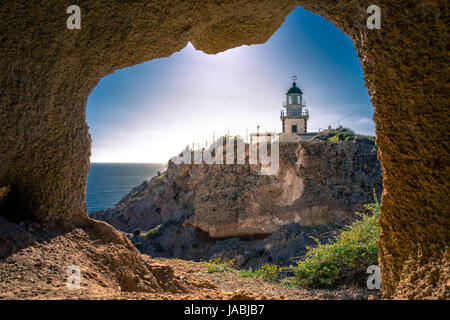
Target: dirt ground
x,y
231,281
34,259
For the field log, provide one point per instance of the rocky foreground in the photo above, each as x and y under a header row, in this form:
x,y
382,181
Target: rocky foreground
x,y
197,212
34,259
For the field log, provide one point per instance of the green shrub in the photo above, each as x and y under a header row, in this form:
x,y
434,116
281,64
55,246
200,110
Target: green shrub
x,y
217,265
334,139
341,134
137,231
345,257
268,272
152,233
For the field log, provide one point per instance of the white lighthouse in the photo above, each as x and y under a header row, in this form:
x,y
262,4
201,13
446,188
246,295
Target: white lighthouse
x,y
294,117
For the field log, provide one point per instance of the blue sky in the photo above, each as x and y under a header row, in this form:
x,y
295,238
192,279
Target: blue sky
x,y
150,112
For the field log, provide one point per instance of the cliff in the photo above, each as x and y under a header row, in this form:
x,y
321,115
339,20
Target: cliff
x,y
317,183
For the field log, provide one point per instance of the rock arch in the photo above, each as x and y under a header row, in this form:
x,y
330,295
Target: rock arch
x,y
48,72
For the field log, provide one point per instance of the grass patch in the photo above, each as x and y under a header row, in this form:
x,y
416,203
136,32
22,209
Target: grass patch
x,y
288,282
248,273
345,257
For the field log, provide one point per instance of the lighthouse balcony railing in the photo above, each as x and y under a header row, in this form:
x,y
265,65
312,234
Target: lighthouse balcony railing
x,y
294,113
302,103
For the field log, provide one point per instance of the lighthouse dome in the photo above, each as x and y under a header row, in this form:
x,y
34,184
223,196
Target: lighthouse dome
x,y
294,89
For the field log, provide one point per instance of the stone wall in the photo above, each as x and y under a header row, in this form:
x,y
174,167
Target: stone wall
x,y
49,71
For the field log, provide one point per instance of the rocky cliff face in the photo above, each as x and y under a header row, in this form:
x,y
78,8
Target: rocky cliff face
x,y
173,239
317,183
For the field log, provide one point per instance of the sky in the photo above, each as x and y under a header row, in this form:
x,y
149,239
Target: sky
x,y
151,111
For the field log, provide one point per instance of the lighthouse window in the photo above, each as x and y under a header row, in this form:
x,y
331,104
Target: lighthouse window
x,y
294,128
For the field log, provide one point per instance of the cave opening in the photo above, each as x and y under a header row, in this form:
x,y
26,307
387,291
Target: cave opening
x,y
142,116
145,114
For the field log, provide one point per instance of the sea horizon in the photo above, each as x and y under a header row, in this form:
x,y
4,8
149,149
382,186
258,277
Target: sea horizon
x,y
108,182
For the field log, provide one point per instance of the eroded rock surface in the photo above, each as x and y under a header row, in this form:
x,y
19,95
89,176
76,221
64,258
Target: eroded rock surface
x,y
317,183
34,258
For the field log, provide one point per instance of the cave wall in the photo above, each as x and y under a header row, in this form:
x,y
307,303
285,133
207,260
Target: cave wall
x,y
48,72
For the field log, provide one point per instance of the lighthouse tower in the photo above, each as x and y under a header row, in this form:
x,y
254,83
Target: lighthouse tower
x,y
294,117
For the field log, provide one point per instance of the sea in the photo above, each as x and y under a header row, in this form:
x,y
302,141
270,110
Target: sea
x,y
108,182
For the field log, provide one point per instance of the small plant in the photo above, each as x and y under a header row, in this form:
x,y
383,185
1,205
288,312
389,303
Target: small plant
x,y
268,272
334,139
345,257
137,232
217,265
152,233
248,273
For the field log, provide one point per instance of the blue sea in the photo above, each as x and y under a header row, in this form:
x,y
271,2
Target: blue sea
x,y
108,182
